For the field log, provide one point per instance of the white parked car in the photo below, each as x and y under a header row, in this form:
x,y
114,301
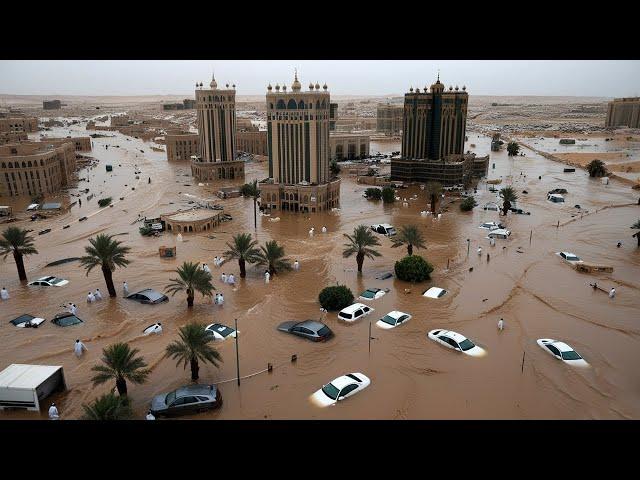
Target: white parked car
x,y
435,292
49,282
393,319
499,233
384,228
372,294
354,312
220,332
456,341
340,388
491,225
153,329
569,257
562,351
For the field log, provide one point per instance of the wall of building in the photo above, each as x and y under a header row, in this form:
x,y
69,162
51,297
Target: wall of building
x,y
19,124
389,118
454,170
180,148
211,171
51,105
12,137
119,120
254,142
348,146
624,112
81,144
300,198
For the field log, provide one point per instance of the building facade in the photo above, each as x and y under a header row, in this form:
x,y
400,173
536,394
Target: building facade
x,y
13,137
453,170
333,116
252,141
389,118
81,144
181,148
51,104
18,124
36,168
624,112
119,120
348,146
216,117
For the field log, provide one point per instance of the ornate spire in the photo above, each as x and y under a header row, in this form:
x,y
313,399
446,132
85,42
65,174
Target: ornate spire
x,y
296,86
213,83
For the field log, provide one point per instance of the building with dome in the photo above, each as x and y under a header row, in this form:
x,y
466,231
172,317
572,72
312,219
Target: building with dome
x,y
216,118
300,178
433,136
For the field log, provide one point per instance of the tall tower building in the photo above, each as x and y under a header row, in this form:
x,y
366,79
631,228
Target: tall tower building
x,y
300,179
216,117
434,122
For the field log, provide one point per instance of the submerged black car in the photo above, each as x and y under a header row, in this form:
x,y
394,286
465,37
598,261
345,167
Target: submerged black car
x,y
310,329
148,295
186,400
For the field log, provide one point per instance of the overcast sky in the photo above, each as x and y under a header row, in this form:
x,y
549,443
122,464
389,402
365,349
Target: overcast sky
x,y
365,77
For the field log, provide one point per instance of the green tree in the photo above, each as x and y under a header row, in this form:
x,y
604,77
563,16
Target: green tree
x,y
334,168
413,269
107,253
434,190
335,297
108,407
191,279
411,236
508,195
467,204
596,168
18,242
373,193
637,234
120,364
388,195
103,202
244,250
359,244
513,148
192,347
272,256
252,190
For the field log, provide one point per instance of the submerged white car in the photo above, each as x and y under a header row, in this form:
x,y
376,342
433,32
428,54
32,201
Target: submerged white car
x,y
220,332
372,294
562,351
456,341
49,282
491,225
435,292
499,233
393,319
569,257
354,312
340,388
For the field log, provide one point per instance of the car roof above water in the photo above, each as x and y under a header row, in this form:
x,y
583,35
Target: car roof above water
x,y
199,389
312,325
352,308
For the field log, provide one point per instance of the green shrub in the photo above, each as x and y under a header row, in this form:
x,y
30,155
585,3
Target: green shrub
x,y
103,202
335,168
388,195
413,268
468,204
373,193
335,297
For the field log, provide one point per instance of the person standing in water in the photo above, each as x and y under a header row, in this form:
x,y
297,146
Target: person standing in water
x,y
4,293
53,412
150,416
90,298
296,265
479,251
501,324
231,280
79,202
125,288
223,277
267,276
97,295
612,293
78,348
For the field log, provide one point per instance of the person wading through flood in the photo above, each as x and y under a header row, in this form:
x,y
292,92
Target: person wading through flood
x,y
79,347
125,288
53,412
4,294
501,324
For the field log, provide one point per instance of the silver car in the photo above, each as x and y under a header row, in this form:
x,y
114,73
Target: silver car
x,y
186,400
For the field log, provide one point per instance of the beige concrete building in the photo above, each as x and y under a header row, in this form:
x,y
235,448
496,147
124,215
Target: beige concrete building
x,y
216,118
35,168
252,141
624,112
348,146
81,144
300,179
51,104
389,118
182,147
119,120
12,137
19,124
191,220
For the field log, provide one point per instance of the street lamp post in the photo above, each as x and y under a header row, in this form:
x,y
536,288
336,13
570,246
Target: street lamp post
x,y
468,245
237,354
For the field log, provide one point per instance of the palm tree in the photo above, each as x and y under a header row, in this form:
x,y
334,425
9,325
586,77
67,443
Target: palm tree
x,y
18,242
121,364
193,346
637,234
596,168
272,257
513,148
508,195
434,190
192,279
252,190
108,254
411,236
244,249
108,407
359,244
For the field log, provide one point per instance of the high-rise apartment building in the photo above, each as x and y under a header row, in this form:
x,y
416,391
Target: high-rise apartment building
x,y
300,178
389,118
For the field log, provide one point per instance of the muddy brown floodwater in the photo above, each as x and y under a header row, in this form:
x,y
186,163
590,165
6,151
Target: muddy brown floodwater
x,y
411,377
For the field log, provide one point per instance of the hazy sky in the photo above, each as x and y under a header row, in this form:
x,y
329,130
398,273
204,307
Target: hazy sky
x,y
366,77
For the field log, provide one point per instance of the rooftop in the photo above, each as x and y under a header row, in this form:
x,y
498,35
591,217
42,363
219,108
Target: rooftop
x,y
191,215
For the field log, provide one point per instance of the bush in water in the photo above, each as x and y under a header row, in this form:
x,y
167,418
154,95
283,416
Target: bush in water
x,y
413,268
335,297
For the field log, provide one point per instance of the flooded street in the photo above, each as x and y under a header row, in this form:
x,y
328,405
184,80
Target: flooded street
x,y
537,294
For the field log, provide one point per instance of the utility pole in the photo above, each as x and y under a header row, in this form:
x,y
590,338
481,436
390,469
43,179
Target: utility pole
x,y
237,354
468,246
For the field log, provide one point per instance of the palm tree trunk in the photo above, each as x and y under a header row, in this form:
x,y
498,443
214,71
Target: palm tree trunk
x,y
20,266
195,368
272,270
121,385
433,203
410,249
190,297
638,237
255,215
108,278
243,270
506,206
360,261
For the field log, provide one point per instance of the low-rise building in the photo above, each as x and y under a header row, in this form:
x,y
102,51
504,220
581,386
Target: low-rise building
x,y
82,144
12,137
18,124
348,146
390,118
452,170
51,104
119,120
624,112
181,147
252,141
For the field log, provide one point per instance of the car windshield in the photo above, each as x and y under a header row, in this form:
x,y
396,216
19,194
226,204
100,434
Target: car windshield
x,y
572,258
324,331
345,315
368,294
391,231
571,355
389,320
330,391
56,281
170,398
466,344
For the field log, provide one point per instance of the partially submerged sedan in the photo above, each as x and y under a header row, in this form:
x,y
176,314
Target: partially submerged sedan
x,y
148,295
435,292
26,321
455,341
562,351
309,329
491,225
373,293
66,319
185,400
570,258
393,319
354,312
220,332
340,388
49,282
